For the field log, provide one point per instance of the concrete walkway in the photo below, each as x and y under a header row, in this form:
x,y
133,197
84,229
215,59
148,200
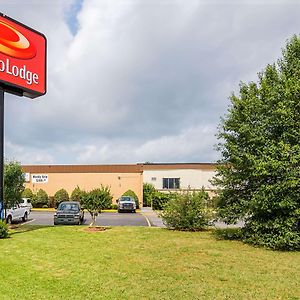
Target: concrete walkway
x,y
152,217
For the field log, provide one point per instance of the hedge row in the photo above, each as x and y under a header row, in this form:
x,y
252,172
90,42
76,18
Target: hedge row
x,y
40,199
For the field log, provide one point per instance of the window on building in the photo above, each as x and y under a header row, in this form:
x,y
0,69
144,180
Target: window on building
x,y
153,178
171,183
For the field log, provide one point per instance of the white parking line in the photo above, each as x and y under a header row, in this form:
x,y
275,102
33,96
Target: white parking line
x,y
149,224
28,222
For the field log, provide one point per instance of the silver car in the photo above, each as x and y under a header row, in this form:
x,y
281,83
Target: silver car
x,y
126,203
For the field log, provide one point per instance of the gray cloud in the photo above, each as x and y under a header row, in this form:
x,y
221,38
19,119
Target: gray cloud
x,y
140,80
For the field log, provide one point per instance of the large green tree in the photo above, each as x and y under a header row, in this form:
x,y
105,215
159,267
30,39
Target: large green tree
x,y
13,183
259,172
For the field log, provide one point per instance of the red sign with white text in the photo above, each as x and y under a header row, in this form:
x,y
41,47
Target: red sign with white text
x,y
22,59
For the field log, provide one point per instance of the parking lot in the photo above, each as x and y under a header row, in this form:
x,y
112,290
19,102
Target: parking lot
x,y
104,219
115,219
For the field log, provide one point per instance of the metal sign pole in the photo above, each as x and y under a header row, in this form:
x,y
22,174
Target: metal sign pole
x,y
1,154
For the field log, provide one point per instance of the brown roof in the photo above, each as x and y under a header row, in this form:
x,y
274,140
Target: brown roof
x,y
82,169
174,166
138,168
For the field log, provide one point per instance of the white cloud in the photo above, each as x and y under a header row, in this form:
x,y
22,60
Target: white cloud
x,y
28,155
188,145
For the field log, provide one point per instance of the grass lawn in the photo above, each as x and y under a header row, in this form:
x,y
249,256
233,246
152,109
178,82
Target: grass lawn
x,y
140,263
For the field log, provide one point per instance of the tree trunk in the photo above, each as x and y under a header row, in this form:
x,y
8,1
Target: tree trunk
x,y
93,215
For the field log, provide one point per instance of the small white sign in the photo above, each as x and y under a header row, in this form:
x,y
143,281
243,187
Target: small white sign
x,y
39,178
27,177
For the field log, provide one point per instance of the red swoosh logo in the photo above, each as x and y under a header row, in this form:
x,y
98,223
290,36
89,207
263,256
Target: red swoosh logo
x,y
14,43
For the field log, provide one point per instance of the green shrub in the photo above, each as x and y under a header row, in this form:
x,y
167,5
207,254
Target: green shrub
x,y
114,206
148,194
272,239
77,194
228,234
132,194
274,233
27,193
40,199
3,230
159,200
186,211
61,196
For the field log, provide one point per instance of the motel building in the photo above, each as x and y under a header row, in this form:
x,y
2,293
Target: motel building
x,y
166,177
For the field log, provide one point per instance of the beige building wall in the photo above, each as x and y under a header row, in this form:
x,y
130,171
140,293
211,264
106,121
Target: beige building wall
x,y
193,179
192,176
118,180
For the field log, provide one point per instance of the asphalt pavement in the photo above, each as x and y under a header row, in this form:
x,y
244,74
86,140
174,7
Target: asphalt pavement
x,y
104,219
147,217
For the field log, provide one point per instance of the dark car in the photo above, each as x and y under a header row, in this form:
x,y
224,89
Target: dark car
x,y
69,213
126,203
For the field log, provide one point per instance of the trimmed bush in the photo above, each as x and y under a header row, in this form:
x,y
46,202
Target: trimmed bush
x,y
132,194
77,195
61,196
187,211
3,230
27,193
40,199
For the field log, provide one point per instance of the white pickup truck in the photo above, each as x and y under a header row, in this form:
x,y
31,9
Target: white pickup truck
x,y
16,213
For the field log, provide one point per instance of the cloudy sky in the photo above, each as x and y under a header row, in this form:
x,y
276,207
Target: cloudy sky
x,y
140,80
